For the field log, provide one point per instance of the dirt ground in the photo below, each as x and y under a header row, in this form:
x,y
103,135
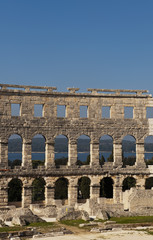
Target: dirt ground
x,y
118,235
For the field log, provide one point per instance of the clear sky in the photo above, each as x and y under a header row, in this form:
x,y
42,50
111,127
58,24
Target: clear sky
x,y
77,43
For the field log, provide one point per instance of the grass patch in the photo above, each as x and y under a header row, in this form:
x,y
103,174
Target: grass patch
x,y
12,229
74,223
41,224
137,219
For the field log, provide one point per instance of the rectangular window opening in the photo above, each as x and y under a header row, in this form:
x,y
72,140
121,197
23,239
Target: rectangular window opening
x,y
83,111
61,111
149,112
15,109
105,112
128,112
38,110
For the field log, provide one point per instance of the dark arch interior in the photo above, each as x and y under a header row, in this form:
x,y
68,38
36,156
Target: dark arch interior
x,y
84,188
149,183
128,183
15,190
38,190
106,187
61,188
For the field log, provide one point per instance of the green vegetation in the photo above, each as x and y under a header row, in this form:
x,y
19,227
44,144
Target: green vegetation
x,y
137,219
61,161
36,163
14,163
129,161
38,189
12,229
42,224
73,222
149,162
87,162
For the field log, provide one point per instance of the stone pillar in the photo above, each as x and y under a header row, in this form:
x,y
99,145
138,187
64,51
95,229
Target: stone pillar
x,y
26,154
140,155
117,190
117,152
72,194
72,153
94,154
3,154
26,196
49,154
49,194
95,191
3,196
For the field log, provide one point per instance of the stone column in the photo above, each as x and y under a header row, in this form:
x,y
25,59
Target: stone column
x,y
49,154
26,154
3,196
94,154
3,154
72,153
140,183
117,190
72,194
49,194
95,191
140,155
117,152
26,196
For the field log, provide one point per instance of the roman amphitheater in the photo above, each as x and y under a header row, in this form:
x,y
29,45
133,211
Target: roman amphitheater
x,y
27,124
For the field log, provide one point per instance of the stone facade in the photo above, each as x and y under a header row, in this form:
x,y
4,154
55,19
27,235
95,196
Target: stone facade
x,y
49,125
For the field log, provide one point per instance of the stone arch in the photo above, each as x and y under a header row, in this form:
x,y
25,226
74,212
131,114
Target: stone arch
x,y
38,150
15,150
61,188
128,183
106,187
15,192
61,150
105,149
128,150
148,150
84,188
38,190
83,150
149,183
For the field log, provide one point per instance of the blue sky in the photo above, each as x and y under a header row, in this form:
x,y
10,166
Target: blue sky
x,y
77,43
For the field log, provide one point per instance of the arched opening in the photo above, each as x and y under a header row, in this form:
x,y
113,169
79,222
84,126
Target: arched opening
x,y
14,150
105,149
38,190
83,150
128,183
84,188
61,150
106,187
148,149
15,192
38,151
128,151
149,183
61,189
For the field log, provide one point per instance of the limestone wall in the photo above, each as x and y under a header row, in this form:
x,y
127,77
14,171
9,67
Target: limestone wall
x,y
27,124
